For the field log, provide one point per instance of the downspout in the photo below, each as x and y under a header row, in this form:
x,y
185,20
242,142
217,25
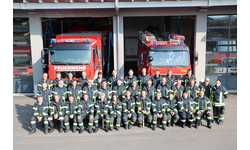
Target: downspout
x,y
117,34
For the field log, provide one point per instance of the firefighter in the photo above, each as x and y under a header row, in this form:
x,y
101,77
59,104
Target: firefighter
x,y
98,81
178,89
170,78
112,81
61,90
71,112
45,80
69,81
156,78
57,111
58,78
207,87
192,90
91,90
85,109
45,92
135,90
171,110
101,109
75,90
143,78
115,109
164,88
150,90
185,108
159,111
187,78
83,80
120,89
128,79
143,105
128,107
105,89
40,112
203,107
219,95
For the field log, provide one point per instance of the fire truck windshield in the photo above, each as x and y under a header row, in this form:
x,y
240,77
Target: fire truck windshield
x,y
70,56
173,58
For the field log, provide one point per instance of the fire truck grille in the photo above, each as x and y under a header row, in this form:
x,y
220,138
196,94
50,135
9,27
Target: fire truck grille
x,y
76,74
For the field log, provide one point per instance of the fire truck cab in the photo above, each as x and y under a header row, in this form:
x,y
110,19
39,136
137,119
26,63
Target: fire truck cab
x,y
75,52
163,53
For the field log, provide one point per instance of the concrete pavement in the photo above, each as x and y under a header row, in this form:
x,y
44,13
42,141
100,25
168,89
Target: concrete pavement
x,y
223,137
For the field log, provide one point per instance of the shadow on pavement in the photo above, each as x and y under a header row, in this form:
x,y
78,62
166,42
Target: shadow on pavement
x,y
24,114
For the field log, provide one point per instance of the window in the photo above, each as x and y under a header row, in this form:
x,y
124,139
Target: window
x,y
22,60
221,49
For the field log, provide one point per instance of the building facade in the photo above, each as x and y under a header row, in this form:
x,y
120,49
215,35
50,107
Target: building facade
x,y
210,28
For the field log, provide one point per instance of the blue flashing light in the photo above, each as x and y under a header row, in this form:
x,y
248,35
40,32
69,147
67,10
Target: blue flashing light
x,y
181,43
154,42
53,40
87,40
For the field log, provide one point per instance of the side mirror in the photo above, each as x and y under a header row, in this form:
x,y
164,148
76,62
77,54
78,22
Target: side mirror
x,y
42,54
99,53
42,61
196,56
150,59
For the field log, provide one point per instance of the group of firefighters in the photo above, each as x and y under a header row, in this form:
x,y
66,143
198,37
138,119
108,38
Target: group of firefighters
x,y
160,99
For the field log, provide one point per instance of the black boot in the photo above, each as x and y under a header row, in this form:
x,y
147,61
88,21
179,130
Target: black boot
x,y
183,125
90,131
74,130
61,130
130,126
46,131
140,125
81,131
190,124
220,122
32,131
216,120
107,129
209,123
173,124
96,129
154,127
126,126
164,128
111,128
117,128
66,130
51,130
196,124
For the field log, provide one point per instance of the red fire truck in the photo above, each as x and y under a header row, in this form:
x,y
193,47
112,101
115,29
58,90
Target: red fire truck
x,y
163,53
75,52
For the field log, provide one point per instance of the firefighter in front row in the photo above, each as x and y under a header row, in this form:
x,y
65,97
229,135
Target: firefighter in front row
x,y
71,108
101,109
128,107
85,109
185,108
115,112
57,112
171,110
40,112
203,108
143,104
159,111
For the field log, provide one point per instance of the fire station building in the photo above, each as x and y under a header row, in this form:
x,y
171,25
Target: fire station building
x,y
209,27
